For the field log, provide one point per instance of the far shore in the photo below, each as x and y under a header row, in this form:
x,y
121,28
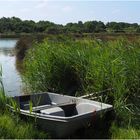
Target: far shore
x,y
17,35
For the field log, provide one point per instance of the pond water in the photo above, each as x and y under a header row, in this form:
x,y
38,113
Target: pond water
x,y
11,77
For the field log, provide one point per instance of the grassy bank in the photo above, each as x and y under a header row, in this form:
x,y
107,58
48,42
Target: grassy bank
x,y
78,67
12,127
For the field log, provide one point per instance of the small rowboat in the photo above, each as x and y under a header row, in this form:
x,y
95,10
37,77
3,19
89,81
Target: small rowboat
x,y
57,114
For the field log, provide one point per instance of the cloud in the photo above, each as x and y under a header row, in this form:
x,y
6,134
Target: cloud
x,y
24,10
116,11
67,9
42,4
92,12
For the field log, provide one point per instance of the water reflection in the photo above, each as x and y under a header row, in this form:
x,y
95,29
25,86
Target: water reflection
x,y
6,51
11,77
7,43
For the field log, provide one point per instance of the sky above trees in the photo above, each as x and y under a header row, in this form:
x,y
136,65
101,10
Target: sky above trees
x,y
64,11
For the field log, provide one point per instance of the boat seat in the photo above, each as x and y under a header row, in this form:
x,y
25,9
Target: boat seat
x,y
55,111
85,108
37,108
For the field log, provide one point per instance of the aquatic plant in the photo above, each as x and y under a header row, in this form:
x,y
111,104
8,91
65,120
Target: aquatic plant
x,y
3,98
78,67
11,126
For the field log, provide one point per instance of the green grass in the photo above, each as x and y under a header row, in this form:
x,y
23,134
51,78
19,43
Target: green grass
x,y
3,99
78,67
124,133
11,126
12,129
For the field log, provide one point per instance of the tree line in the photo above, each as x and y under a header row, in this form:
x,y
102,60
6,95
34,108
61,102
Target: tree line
x,y
16,25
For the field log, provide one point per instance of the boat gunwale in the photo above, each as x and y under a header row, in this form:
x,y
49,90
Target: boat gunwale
x,y
102,107
76,99
59,118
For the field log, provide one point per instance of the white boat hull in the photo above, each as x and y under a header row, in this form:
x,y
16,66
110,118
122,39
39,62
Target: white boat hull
x,y
78,112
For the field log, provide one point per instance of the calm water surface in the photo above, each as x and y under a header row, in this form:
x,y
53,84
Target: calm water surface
x,y
11,77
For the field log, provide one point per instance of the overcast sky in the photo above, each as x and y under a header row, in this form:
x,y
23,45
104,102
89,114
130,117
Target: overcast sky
x,y
64,11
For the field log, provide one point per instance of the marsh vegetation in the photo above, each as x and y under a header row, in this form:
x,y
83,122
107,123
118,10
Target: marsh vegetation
x,y
81,66
11,126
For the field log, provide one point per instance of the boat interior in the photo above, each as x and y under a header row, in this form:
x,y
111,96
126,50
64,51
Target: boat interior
x,y
55,104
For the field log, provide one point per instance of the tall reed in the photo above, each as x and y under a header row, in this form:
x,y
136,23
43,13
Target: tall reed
x,y
84,66
11,126
3,98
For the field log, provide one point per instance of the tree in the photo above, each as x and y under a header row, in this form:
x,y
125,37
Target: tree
x,y
16,25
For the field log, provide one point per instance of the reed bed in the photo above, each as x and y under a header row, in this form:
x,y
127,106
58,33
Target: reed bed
x,y
78,67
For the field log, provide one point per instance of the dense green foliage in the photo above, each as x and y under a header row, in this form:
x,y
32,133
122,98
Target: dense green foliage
x,y
16,25
128,132
93,64
12,128
83,66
